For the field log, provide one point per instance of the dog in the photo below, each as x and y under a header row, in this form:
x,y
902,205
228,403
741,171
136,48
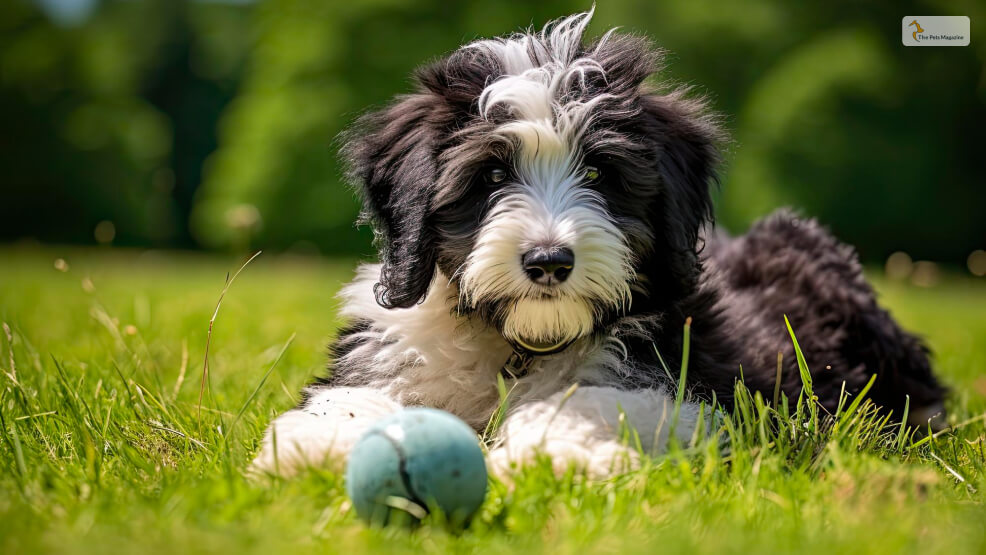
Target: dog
x,y
543,216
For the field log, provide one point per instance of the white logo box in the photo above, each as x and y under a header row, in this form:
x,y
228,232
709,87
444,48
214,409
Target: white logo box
x,y
935,30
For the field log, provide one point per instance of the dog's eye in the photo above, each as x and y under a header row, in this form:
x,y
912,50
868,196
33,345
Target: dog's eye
x,y
496,175
592,174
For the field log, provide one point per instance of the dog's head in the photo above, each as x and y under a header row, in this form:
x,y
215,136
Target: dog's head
x,y
543,178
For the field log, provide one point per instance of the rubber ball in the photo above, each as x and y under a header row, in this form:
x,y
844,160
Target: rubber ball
x,y
413,462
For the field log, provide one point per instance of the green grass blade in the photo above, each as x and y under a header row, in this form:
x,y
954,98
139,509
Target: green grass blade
x,y
256,390
682,376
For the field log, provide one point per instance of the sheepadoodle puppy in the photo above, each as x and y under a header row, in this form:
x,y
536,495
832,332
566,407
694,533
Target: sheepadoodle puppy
x,y
541,211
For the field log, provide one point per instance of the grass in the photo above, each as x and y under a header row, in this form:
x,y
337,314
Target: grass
x,y
103,448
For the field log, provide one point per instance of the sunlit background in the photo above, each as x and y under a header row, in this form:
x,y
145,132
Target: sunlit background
x,y
211,124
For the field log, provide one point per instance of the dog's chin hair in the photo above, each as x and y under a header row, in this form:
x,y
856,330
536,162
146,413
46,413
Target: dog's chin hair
x,y
556,320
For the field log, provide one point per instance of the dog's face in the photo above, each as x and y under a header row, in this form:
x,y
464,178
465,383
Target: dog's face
x,y
542,180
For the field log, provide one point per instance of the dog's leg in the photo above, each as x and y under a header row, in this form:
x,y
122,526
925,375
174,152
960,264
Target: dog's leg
x,y
322,430
585,430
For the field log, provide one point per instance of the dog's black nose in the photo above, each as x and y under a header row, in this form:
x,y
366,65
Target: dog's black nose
x,y
548,266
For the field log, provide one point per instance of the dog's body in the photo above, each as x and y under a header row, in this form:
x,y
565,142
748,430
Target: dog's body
x,y
540,214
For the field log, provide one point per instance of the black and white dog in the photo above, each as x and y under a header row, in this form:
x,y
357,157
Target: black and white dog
x,y
541,214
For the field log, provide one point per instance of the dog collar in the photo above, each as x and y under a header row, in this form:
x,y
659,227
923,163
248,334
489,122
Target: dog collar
x,y
520,361
520,346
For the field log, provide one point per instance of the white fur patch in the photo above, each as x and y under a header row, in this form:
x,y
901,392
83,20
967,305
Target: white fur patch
x,y
322,432
584,430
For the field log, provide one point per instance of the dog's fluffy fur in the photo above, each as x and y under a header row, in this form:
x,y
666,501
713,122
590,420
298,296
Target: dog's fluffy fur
x,y
542,140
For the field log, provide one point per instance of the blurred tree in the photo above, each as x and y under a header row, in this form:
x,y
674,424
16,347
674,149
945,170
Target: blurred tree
x,y
106,119
77,145
211,122
197,74
313,68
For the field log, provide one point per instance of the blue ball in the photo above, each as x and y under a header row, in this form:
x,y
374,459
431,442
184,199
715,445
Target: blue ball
x,y
414,461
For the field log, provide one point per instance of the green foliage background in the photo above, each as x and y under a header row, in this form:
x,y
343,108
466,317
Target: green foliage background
x,y
211,124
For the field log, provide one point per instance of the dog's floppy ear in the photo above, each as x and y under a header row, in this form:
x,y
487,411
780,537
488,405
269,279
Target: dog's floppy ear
x,y
392,158
688,141
681,127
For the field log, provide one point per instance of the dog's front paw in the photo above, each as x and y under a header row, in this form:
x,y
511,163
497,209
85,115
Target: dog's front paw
x,y
591,428
297,440
597,459
321,432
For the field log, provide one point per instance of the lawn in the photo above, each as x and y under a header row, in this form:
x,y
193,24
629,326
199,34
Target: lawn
x,y
104,447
